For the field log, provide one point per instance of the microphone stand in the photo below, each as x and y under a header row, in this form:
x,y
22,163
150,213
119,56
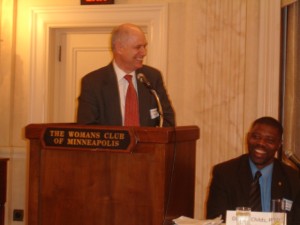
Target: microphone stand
x,y
141,77
160,110
292,158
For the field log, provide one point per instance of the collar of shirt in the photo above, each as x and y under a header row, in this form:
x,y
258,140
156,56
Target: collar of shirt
x,y
266,171
265,182
120,76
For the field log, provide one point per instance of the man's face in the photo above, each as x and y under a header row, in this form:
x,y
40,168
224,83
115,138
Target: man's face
x,y
263,142
132,51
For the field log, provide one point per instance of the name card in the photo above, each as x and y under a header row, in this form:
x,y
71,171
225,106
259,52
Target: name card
x,y
258,218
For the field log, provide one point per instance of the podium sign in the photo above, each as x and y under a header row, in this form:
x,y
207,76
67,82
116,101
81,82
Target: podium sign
x,y
96,175
119,140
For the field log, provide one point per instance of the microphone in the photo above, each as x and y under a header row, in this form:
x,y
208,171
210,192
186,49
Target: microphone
x,y
142,78
291,156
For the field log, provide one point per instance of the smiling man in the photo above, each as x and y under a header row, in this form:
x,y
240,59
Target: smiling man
x,y
112,95
231,181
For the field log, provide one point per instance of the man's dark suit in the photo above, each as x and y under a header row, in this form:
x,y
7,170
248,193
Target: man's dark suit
x,y
230,187
99,101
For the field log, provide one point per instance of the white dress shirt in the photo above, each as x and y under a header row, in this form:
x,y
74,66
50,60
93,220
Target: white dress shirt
x,y
123,85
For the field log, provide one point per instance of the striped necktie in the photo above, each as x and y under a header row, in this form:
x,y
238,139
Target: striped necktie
x,y
255,197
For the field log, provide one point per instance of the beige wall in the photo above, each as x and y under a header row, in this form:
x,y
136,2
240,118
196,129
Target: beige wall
x,y
222,72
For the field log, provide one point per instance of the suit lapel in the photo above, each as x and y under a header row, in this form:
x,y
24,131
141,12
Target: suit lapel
x,y
143,93
245,176
278,181
111,96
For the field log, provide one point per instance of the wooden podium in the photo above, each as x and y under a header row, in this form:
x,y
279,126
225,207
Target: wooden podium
x,y
94,175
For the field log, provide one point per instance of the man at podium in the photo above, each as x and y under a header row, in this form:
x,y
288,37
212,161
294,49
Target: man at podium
x,y
125,92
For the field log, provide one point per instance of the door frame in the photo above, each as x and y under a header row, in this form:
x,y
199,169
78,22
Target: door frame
x,y
151,16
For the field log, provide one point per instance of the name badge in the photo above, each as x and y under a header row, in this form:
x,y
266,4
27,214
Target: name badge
x,y
154,113
287,204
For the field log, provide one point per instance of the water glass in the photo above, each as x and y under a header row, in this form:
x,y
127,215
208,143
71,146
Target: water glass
x,y
278,212
243,215
278,205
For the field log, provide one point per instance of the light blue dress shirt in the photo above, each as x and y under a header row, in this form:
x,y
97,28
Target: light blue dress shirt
x,y
265,182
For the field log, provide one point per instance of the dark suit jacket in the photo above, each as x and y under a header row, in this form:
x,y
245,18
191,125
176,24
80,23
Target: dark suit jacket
x,y
231,181
99,101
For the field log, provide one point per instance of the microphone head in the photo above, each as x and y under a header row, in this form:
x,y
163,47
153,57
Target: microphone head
x,y
288,153
141,77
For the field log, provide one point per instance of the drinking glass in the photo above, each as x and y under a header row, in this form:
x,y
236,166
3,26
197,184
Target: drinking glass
x,y
278,212
278,205
243,215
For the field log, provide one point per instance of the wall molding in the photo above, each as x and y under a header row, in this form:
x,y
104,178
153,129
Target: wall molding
x,y
13,152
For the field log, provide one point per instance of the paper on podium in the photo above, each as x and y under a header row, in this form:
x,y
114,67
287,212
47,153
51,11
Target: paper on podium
x,y
182,220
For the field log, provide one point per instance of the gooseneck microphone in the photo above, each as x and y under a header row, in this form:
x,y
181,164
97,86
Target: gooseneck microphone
x,y
142,78
291,156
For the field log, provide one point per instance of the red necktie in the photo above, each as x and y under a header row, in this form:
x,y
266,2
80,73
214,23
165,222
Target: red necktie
x,y
131,105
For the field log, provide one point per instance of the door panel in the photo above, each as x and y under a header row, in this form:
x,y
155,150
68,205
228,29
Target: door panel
x,y
81,51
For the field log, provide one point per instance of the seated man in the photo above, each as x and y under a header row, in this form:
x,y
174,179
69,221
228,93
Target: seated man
x,y
231,181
